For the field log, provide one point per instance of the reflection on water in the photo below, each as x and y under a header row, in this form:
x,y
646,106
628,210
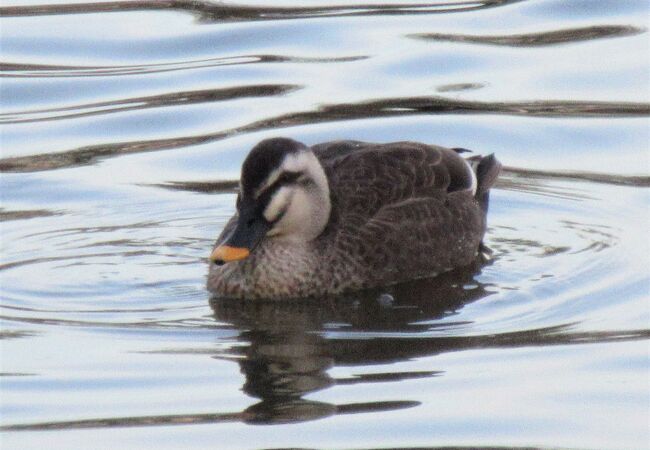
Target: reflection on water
x,y
288,348
105,319
177,98
22,215
394,107
539,39
222,12
36,71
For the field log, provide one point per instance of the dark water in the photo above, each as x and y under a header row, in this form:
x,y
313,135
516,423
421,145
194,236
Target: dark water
x,y
123,125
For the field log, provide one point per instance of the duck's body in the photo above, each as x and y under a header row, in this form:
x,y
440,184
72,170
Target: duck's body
x,y
351,215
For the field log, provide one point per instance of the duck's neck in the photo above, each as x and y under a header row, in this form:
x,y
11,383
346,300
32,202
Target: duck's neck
x,y
274,269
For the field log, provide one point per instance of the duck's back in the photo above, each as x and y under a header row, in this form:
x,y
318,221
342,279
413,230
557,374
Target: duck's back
x,y
402,210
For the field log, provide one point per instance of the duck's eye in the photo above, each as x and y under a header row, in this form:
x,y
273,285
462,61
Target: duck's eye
x,y
288,177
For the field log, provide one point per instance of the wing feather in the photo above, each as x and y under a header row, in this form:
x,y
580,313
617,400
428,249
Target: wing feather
x,y
367,177
391,198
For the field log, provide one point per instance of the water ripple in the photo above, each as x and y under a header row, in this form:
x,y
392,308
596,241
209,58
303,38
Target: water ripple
x,y
284,367
16,70
542,39
167,266
389,107
154,101
223,12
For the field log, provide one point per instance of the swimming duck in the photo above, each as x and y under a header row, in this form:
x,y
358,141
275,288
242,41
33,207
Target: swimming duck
x,y
348,215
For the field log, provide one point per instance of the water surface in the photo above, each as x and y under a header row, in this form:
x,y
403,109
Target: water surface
x,y
123,126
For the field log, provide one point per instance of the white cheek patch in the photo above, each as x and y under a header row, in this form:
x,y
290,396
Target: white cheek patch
x,y
298,210
278,204
295,221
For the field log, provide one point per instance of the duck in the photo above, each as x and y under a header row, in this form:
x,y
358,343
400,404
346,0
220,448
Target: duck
x,y
342,216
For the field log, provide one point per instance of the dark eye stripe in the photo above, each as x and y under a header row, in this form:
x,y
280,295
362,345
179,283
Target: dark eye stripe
x,y
287,177
283,180
265,196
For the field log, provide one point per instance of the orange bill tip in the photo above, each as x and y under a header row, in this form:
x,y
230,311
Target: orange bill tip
x,y
227,253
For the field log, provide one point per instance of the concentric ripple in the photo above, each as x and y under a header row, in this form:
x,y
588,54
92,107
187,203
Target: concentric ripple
x,y
151,273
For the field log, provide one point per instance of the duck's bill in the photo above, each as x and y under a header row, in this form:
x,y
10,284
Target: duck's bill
x,y
243,240
226,253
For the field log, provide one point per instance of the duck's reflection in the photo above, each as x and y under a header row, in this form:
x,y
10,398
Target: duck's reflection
x,y
289,347
288,352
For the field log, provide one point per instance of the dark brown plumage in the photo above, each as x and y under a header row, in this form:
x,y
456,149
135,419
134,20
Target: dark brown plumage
x,y
399,211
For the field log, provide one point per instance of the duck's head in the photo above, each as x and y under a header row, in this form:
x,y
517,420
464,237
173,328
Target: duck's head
x,y
284,194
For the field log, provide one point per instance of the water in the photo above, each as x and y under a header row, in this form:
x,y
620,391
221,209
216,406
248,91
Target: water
x,y
123,126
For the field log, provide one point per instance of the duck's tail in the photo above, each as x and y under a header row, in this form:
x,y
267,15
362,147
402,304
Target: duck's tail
x,y
487,170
